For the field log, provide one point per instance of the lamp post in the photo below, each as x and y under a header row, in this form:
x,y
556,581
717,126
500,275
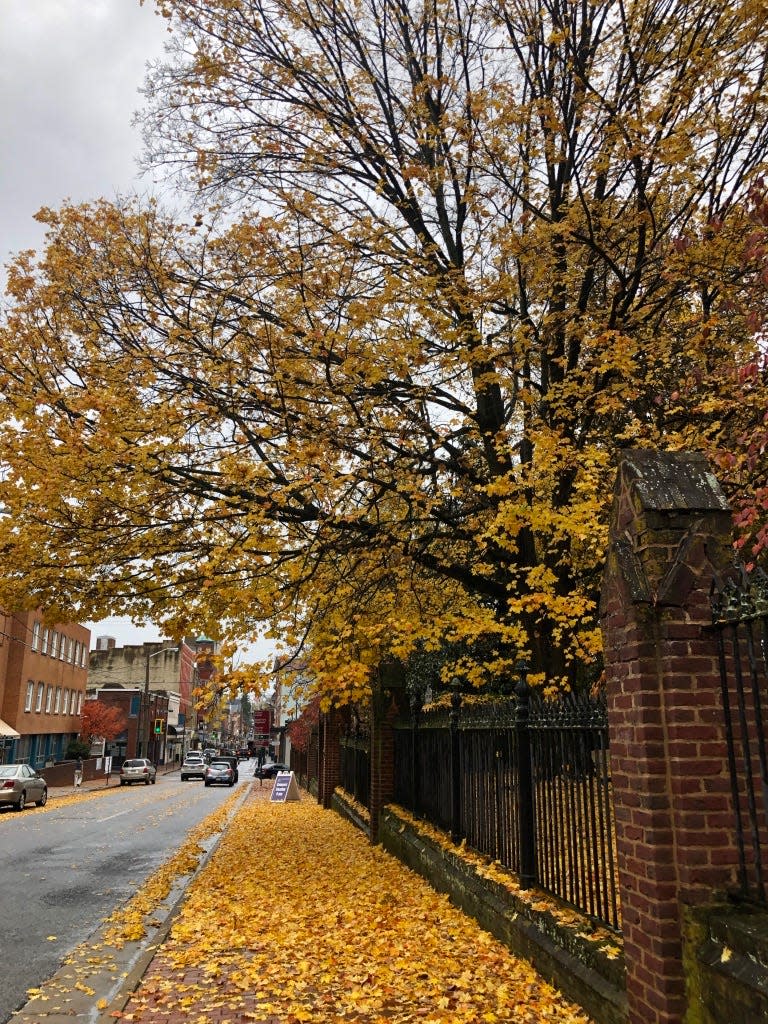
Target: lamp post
x,y
144,732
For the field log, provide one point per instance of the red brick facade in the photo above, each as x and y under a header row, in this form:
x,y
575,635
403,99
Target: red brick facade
x,y
43,673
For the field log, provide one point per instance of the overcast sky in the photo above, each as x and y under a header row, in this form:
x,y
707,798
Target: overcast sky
x,y
70,71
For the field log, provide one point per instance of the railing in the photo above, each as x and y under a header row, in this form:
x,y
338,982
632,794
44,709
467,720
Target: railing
x,y
524,781
740,616
355,767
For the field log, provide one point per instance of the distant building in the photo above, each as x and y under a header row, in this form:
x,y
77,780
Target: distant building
x,y
159,677
43,677
140,737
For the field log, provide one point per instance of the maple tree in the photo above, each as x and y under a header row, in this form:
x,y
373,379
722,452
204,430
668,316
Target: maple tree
x,y
449,261
101,721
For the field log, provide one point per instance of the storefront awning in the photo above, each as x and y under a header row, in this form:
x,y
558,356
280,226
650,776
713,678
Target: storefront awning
x,y
7,732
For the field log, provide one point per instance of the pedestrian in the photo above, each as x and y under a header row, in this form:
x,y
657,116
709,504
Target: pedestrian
x,y
78,772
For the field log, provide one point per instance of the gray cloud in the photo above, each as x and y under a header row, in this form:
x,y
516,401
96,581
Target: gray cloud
x,y
70,71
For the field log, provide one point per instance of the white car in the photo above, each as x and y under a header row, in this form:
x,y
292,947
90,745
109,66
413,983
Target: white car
x,y
193,767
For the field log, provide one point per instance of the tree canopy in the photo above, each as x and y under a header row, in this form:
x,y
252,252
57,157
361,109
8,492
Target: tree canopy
x,y
447,260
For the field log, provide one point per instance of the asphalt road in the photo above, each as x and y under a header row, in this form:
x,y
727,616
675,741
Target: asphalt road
x,y
63,870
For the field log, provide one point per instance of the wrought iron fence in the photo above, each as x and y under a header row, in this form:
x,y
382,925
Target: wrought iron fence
x,y
740,616
523,780
355,768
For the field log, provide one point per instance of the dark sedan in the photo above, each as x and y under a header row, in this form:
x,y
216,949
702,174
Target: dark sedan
x,y
269,771
219,773
21,785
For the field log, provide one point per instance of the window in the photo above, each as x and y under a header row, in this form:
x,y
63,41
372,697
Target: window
x,y
30,692
35,635
65,709
83,653
79,702
57,705
44,644
62,646
39,701
48,700
135,706
70,649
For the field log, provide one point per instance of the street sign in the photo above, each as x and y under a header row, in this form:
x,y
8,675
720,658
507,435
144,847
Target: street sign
x,y
285,788
262,721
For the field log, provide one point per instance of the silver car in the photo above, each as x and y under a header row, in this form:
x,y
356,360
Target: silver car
x,y
193,767
219,773
137,769
20,785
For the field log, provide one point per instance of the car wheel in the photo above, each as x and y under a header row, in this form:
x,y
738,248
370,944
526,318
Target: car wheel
x,y
122,782
153,781
207,783
43,799
232,783
22,801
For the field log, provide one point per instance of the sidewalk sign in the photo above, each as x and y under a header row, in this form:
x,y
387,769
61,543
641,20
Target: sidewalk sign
x,y
285,788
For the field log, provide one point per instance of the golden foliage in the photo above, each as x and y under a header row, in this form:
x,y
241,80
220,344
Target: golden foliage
x,y
298,918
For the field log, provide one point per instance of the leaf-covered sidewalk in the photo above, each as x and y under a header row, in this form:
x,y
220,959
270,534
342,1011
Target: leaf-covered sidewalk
x,y
298,918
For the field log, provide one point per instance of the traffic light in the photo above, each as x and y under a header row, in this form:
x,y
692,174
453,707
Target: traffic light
x,y
159,726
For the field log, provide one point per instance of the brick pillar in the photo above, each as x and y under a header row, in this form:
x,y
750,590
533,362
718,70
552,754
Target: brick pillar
x,y
388,698
670,533
329,773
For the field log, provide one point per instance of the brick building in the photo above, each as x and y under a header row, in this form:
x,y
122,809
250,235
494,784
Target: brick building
x,y
43,675
150,682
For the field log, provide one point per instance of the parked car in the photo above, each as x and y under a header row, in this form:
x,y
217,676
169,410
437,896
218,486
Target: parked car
x,y
193,767
138,769
21,785
269,771
219,773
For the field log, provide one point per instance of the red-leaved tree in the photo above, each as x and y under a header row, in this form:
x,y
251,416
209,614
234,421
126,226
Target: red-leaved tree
x,y
101,720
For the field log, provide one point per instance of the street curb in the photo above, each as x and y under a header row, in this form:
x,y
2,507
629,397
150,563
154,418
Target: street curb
x,y
129,963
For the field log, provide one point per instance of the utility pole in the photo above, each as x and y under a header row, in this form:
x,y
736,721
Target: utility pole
x,y
144,730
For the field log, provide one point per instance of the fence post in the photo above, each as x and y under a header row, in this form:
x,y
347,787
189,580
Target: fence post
x,y
453,718
525,821
670,536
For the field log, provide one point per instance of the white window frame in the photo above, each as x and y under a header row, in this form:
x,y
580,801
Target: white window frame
x,y
57,702
62,646
30,695
79,702
39,698
44,641
49,700
35,635
65,707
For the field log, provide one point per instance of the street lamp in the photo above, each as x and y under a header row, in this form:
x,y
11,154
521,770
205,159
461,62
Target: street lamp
x,y
144,716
